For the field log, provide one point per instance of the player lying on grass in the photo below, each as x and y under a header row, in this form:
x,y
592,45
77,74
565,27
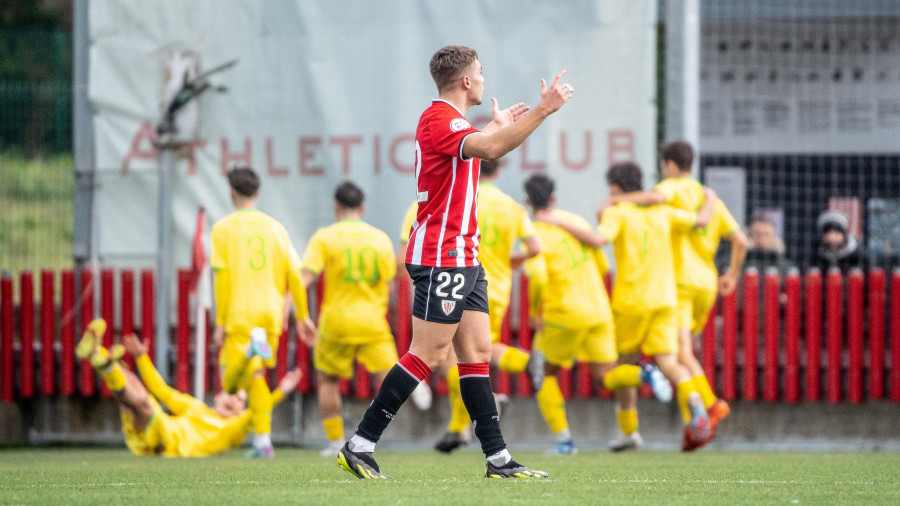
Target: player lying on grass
x,y
193,429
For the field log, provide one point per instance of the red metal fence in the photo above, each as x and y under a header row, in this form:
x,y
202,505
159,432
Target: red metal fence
x,y
765,341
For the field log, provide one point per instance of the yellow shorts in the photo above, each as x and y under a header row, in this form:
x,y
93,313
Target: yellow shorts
x,y
336,358
694,305
497,312
562,345
652,332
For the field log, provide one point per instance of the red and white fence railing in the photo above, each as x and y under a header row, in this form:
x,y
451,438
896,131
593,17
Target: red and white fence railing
x,y
805,337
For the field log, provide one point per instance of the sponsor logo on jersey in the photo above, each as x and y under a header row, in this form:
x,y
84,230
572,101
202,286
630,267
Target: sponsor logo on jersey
x,y
447,306
458,124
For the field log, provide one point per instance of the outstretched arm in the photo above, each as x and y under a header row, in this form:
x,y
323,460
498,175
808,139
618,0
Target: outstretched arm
x,y
587,236
532,249
739,245
177,402
492,144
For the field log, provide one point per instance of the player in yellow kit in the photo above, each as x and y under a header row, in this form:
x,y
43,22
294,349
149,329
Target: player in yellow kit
x,y
566,284
193,429
255,265
695,269
502,222
358,264
644,299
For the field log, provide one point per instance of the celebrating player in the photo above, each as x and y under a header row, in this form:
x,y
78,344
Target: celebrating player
x,y
450,302
193,429
358,261
565,282
695,269
254,264
644,300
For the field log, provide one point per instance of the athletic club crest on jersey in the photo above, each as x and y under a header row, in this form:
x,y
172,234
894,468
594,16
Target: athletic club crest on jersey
x,y
448,306
459,124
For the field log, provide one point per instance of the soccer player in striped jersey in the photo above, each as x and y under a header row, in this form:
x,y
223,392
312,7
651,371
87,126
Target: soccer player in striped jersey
x,y
254,265
565,283
190,428
358,264
450,306
695,269
503,222
644,301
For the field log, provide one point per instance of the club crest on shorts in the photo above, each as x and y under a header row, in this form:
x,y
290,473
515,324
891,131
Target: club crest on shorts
x,y
448,306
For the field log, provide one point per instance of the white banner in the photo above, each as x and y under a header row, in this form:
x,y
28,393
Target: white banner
x,y
800,86
330,90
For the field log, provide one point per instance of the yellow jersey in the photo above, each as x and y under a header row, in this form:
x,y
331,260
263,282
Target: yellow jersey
x,y
695,249
565,278
358,260
501,221
408,219
642,241
255,264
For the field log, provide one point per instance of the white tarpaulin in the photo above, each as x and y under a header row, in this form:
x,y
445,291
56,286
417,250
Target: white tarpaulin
x,y
330,90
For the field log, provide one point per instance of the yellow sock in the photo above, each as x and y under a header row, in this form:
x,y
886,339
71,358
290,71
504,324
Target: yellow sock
x,y
628,420
513,360
261,405
682,392
254,365
622,376
459,416
334,428
701,385
113,376
553,405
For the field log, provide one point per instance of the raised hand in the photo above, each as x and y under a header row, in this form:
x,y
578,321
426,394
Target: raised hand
x,y
290,381
509,115
133,345
554,96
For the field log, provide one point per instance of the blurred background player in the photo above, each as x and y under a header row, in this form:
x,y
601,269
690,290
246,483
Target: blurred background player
x,y
450,300
694,255
255,265
502,222
193,429
644,302
358,264
576,319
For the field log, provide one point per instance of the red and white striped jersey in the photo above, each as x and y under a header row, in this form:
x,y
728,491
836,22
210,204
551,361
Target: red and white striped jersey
x,y
445,233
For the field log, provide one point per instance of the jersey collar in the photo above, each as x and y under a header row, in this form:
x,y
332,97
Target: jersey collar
x,y
433,100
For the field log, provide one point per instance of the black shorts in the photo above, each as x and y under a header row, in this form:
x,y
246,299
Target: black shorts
x,y
443,293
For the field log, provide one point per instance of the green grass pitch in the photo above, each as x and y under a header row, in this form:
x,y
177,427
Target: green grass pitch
x,y
114,476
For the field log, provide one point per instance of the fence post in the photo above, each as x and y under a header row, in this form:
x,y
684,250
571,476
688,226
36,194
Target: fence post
x,y
855,335
729,346
126,279
792,336
107,312
183,332
523,338
895,335
67,333
813,333
86,295
876,333
503,378
148,332
834,285
48,354
7,317
771,329
751,337
26,336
